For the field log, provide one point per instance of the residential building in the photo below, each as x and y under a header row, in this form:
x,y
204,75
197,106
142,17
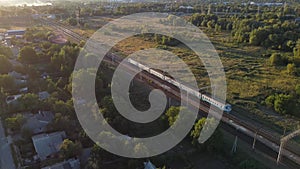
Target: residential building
x,y
48,144
149,165
43,95
37,123
69,164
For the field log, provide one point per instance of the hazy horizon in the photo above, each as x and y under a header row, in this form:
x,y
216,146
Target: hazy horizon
x,y
27,2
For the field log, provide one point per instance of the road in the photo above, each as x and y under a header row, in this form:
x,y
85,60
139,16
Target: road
x,y
6,157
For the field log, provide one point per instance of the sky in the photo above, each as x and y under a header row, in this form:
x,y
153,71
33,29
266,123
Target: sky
x,y
21,2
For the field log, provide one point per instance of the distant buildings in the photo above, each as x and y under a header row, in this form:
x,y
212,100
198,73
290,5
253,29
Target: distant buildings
x,y
15,32
48,144
70,164
186,8
267,4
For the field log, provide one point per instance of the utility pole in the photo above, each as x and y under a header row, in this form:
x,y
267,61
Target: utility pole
x,y
284,140
254,138
187,100
234,146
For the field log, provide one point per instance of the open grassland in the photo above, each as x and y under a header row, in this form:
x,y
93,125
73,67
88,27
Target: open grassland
x,y
251,79
16,22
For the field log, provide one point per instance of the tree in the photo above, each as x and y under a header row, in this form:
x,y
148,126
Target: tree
x,y
15,123
63,107
284,104
62,122
46,45
218,28
5,65
30,102
291,69
297,89
197,129
2,102
64,60
270,101
108,108
6,51
96,156
297,49
257,36
28,35
70,149
7,82
210,24
214,143
172,114
72,21
27,55
277,59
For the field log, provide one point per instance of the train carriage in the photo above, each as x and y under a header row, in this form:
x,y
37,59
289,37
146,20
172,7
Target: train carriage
x,y
225,107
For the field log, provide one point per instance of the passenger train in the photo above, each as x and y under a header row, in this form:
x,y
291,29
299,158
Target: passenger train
x,y
225,107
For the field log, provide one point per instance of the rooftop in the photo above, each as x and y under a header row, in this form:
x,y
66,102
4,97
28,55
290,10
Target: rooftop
x,y
15,32
70,164
48,144
37,123
43,95
149,165
17,75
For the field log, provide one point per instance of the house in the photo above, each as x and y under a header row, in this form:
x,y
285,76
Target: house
x,y
23,90
37,123
44,75
12,98
20,82
149,165
69,164
17,75
48,144
43,95
52,16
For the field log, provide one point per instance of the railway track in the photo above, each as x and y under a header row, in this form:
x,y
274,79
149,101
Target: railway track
x,y
266,141
65,29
